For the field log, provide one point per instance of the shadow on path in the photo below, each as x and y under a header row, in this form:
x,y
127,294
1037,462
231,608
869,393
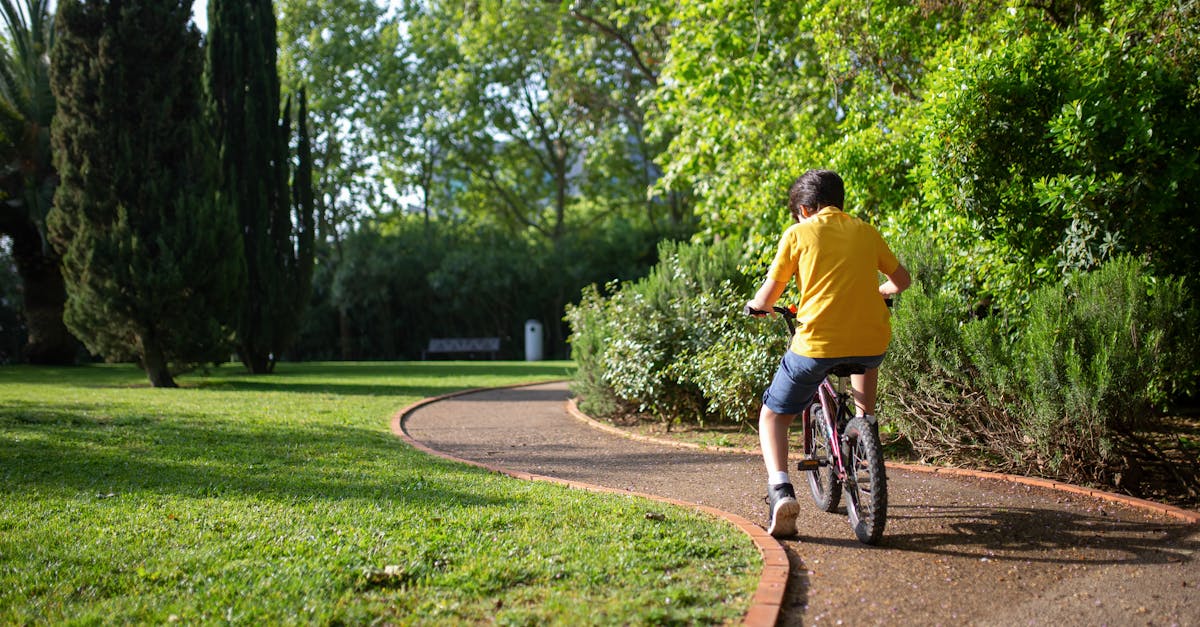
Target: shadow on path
x,y
1042,535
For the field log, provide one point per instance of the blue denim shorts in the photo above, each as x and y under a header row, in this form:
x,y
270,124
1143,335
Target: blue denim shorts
x,y
798,377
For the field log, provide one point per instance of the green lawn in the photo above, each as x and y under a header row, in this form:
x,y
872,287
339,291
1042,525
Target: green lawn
x,y
285,499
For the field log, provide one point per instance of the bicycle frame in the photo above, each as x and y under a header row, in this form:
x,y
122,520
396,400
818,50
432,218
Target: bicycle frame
x,y
833,404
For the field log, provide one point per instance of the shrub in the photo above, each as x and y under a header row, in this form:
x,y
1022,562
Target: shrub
x,y
732,372
1093,360
630,346
1056,392
937,382
592,325
1098,358
396,281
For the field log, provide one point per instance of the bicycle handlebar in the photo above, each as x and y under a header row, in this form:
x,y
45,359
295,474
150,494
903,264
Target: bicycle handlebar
x,y
750,311
788,313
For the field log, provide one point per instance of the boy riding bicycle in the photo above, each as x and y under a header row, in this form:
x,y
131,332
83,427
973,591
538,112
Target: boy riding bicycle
x,y
836,260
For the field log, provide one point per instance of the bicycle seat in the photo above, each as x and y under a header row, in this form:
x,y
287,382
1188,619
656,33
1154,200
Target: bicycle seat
x,y
845,370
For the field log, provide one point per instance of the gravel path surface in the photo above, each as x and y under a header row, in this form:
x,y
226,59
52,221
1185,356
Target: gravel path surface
x,y
956,550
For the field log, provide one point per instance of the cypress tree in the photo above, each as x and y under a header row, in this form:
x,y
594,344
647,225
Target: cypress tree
x,y
305,210
243,87
150,253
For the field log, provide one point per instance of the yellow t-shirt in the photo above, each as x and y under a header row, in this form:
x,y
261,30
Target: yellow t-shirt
x,y
836,260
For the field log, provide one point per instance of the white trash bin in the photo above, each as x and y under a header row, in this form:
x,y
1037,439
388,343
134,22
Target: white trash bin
x,y
533,340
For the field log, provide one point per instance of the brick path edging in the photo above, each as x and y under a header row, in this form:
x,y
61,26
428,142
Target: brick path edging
x,y
768,597
1143,504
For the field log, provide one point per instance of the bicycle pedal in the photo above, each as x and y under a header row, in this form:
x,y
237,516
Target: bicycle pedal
x,y
809,465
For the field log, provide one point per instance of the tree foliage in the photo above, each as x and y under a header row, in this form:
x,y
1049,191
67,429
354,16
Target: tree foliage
x,y
27,176
344,54
611,54
530,117
1032,164
510,141
1022,136
151,255
402,281
278,235
744,96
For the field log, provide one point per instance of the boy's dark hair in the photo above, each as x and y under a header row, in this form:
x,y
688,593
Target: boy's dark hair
x,y
816,189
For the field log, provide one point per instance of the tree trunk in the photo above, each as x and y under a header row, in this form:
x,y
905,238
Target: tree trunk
x,y
155,364
257,363
45,297
344,334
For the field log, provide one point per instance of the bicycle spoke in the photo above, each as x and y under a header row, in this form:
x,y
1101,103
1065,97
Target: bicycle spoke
x,y
822,481
867,486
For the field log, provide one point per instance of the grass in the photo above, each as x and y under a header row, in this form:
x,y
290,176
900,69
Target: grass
x,y
284,499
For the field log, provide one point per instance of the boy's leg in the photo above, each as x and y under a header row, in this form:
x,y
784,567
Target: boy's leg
x,y
790,391
781,497
865,386
773,437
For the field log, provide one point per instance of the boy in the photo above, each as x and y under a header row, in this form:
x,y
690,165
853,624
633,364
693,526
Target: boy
x,y
835,259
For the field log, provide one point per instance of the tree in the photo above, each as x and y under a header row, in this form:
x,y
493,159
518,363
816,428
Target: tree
x,y
27,177
611,54
1019,135
344,53
244,92
513,140
747,103
530,117
151,255
1064,139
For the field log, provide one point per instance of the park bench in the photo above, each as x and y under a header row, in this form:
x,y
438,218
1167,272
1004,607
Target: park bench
x,y
490,345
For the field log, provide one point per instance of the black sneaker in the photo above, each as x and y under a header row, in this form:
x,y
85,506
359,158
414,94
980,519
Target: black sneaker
x,y
781,499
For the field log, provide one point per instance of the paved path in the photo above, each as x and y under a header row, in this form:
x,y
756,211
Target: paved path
x,y
956,550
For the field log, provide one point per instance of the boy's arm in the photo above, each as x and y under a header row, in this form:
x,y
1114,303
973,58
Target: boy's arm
x,y
897,282
766,296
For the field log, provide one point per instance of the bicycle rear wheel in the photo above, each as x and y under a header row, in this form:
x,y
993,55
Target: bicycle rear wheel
x,y
866,483
823,482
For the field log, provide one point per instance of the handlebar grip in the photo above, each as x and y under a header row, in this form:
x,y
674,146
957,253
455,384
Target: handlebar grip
x,y
889,301
750,311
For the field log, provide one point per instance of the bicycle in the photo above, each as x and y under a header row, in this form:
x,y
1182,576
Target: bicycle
x,y
842,452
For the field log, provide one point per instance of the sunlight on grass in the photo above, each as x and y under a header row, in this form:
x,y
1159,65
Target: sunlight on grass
x,y
285,498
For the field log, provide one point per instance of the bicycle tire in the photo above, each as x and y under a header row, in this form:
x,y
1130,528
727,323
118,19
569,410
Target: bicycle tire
x,y
866,483
823,482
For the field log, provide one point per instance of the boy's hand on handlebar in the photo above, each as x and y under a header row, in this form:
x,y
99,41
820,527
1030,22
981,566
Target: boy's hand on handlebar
x,y
754,308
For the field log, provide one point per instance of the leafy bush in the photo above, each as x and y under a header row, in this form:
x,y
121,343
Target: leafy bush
x,y
592,325
1063,146
732,372
1098,357
1093,360
1057,391
632,347
1031,139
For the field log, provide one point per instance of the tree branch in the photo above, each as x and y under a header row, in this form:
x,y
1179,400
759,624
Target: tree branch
x,y
621,38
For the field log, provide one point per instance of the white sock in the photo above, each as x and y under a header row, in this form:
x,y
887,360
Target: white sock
x,y
776,477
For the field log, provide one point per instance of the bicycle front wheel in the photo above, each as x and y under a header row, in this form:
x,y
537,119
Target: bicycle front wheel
x,y
866,481
823,481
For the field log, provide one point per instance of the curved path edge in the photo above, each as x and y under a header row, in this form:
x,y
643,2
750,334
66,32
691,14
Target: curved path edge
x,y
768,597
1144,504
